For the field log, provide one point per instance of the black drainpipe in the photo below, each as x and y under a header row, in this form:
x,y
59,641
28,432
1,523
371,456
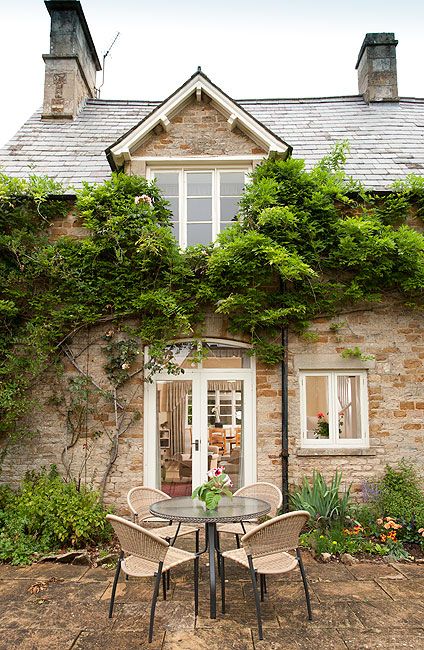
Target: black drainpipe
x,y
285,420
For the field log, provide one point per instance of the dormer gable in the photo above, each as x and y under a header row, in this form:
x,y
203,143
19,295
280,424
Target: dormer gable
x,y
197,96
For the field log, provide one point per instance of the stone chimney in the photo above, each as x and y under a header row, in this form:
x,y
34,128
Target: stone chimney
x,y
377,76
72,63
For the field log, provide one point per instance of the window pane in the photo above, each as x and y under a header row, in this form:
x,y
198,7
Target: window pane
x,y
229,208
167,183
349,407
173,206
199,209
199,184
317,422
232,183
199,233
176,230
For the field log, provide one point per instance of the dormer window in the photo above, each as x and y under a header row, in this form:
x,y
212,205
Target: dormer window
x,y
203,201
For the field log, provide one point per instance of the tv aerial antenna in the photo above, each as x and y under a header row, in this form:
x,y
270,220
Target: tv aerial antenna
x,y
103,64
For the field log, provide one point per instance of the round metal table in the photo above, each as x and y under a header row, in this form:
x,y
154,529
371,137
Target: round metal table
x,y
186,509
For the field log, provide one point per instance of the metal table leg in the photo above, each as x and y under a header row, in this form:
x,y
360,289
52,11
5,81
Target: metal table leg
x,y
211,533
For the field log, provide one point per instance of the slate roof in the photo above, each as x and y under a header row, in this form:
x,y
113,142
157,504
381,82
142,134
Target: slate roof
x,y
386,139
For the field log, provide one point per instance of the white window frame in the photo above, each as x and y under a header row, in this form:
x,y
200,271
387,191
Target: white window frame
x,y
182,171
334,442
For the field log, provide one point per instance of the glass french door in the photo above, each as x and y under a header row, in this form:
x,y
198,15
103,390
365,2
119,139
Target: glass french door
x,y
195,422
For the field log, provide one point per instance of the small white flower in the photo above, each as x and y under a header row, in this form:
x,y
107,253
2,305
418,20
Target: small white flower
x,y
125,366
144,198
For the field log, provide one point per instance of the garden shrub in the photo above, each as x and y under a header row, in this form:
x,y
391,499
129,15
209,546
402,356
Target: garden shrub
x,y
48,514
323,501
397,495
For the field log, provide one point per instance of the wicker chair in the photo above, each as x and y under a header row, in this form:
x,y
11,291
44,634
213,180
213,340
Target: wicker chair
x,y
139,500
264,552
145,554
264,491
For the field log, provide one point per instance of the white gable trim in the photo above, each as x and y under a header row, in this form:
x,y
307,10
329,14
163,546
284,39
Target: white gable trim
x,y
198,84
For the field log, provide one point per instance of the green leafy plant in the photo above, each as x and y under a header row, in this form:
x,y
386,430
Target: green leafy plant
x,y
322,500
213,490
48,514
356,353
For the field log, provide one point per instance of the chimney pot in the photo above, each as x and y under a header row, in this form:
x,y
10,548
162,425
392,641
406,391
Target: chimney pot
x,y
376,65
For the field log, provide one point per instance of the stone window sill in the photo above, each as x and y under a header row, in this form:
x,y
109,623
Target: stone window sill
x,y
335,452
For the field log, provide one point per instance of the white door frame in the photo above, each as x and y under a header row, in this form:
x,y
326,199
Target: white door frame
x,y
199,378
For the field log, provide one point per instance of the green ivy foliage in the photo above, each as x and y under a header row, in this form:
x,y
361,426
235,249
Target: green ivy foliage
x,y
305,244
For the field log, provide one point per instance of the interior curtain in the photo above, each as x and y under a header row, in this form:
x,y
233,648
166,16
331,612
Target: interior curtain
x,y
173,401
344,396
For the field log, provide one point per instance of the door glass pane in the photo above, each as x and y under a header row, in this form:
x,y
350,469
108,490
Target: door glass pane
x,y
173,435
225,428
317,421
349,407
199,184
199,233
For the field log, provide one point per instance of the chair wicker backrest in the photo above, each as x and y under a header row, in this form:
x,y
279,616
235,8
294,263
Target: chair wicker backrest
x,y
276,535
138,541
140,498
264,491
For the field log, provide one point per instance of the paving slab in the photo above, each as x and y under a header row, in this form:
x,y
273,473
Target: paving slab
x,y
325,616
393,614
409,569
236,637
352,590
46,570
405,589
304,639
372,570
40,639
66,592
118,641
375,639
170,615
243,614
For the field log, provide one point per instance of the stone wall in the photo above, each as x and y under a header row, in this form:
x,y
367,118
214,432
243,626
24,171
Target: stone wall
x,y
198,130
395,336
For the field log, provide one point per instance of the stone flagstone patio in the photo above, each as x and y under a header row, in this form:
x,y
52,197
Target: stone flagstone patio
x,y
360,607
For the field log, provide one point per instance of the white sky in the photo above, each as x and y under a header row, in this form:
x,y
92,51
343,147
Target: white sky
x,y
250,48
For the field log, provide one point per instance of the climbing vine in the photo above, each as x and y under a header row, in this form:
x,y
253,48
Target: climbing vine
x,y
306,244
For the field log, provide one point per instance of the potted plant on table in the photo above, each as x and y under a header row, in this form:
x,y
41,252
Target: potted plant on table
x,y
211,492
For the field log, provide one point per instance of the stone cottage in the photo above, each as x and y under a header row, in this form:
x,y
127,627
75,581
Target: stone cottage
x,y
317,410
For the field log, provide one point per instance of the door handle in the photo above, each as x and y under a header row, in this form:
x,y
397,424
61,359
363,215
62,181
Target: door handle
x,y
196,444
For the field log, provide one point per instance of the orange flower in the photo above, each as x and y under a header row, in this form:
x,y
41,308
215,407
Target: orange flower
x,y
383,538
379,521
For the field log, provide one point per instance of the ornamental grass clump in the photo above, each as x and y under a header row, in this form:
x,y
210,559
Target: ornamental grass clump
x,y
322,500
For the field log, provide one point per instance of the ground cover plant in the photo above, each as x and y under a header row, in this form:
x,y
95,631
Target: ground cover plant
x,y
390,522
306,244
48,514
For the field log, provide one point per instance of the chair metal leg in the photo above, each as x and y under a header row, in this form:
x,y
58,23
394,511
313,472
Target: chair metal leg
x,y
217,552
261,580
265,585
164,585
196,586
197,540
255,591
238,541
168,579
305,583
154,599
115,582
222,584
